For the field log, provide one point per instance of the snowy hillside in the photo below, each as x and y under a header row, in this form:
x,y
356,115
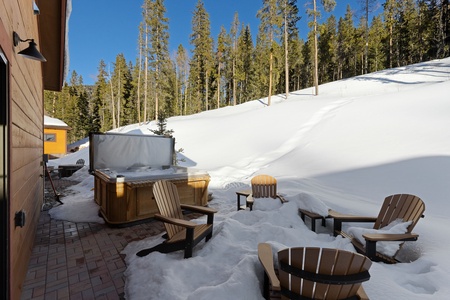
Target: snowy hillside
x,y
359,141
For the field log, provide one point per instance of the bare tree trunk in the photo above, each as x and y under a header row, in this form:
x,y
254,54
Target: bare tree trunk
x,y
145,75
390,46
186,91
286,62
316,59
113,110
366,49
218,85
118,101
157,91
207,90
270,77
234,80
139,84
186,88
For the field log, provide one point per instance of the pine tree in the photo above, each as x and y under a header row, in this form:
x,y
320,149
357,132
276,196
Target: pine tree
x,y
234,38
390,15
220,59
327,46
120,85
182,67
101,101
328,6
368,7
129,113
307,67
84,120
229,70
359,48
145,56
377,36
407,34
162,126
71,114
53,105
438,26
160,62
346,35
269,31
295,63
245,68
201,61
289,12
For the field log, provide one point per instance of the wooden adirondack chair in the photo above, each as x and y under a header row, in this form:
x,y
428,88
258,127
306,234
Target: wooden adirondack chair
x,y
314,273
400,206
263,186
181,234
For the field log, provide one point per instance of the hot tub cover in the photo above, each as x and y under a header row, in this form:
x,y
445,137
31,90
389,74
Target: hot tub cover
x,y
126,151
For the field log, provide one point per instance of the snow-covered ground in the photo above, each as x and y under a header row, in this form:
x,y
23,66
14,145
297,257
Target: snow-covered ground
x,y
359,141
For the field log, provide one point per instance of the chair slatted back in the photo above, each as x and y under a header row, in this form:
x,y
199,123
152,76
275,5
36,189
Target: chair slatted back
x,y
318,273
264,186
400,206
168,202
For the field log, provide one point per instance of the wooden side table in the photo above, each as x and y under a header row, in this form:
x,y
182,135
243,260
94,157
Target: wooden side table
x,y
244,193
313,217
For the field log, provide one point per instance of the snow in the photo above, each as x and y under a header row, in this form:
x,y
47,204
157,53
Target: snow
x,y
49,121
359,141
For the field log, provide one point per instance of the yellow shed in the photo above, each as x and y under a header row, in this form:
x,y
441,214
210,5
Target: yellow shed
x,y
55,136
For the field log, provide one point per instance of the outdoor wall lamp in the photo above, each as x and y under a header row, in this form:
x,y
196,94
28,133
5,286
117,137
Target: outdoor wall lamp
x,y
36,10
31,52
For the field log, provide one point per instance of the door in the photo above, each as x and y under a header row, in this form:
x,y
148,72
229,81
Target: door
x,y
4,199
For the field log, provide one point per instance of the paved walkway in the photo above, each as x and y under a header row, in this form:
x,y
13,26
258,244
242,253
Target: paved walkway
x,y
80,260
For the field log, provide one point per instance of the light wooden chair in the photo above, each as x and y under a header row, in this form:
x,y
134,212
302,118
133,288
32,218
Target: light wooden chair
x,y
263,186
181,234
314,273
408,208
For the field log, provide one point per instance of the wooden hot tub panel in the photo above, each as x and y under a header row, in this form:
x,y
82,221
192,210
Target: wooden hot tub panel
x,y
126,202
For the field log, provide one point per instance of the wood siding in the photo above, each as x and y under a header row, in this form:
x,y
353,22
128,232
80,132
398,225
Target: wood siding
x,y
26,136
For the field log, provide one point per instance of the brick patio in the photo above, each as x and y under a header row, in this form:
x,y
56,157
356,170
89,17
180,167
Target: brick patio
x,y
80,260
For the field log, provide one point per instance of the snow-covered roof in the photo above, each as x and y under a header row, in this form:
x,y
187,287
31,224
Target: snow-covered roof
x,y
53,122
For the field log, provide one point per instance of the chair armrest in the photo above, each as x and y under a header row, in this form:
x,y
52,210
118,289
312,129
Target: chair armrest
x,y
361,294
339,218
266,258
350,218
179,222
199,209
378,237
282,199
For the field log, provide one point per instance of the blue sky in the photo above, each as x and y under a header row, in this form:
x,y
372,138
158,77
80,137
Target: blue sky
x,y
101,29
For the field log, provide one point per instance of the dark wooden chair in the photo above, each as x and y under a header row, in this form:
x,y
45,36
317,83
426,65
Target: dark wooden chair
x,y
263,186
314,273
181,234
408,208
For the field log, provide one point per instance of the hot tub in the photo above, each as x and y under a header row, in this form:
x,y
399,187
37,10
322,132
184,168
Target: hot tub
x,y
126,196
124,189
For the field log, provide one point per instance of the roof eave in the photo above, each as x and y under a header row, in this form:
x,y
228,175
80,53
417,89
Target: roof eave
x,y
52,42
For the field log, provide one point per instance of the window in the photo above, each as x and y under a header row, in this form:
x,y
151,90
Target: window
x,y
50,137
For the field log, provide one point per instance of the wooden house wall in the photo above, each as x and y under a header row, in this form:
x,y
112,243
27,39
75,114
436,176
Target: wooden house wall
x,y
59,146
26,136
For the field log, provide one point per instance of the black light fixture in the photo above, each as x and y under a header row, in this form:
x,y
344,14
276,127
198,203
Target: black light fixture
x,y
31,52
36,10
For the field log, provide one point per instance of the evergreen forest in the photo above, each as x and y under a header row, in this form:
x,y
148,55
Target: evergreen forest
x,y
240,65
